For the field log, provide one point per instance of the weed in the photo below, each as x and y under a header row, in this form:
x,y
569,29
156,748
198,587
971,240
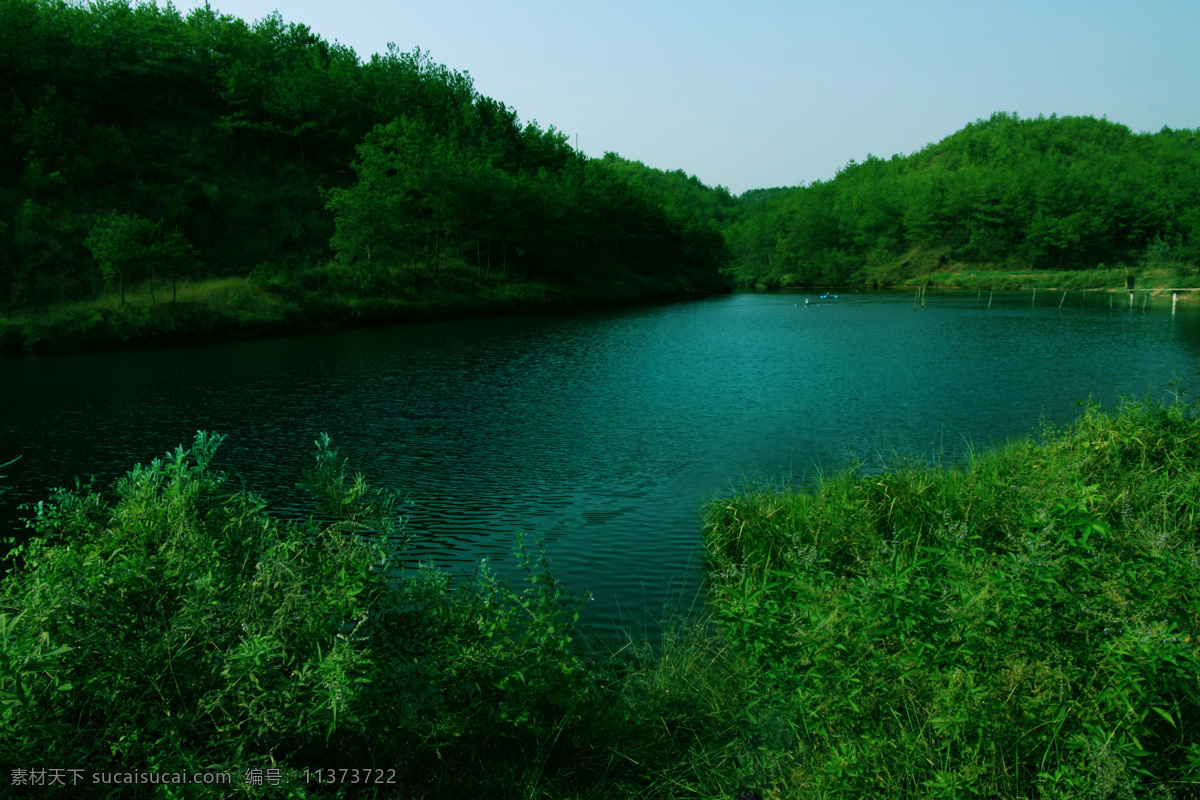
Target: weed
x,y
1021,627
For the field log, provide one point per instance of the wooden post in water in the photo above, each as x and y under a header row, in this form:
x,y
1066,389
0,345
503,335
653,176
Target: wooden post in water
x,y
1145,299
990,293
1064,298
1174,302
1034,301
1131,299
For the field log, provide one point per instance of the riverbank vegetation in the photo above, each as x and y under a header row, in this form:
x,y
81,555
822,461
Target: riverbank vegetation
x,y
267,303
143,147
1023,626
1075,280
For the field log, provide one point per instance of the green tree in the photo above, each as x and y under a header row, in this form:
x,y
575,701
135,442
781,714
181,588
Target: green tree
x,y
127,247
1158,251
177,253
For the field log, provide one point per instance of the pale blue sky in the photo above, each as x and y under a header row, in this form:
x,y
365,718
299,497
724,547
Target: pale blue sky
x,y
757,93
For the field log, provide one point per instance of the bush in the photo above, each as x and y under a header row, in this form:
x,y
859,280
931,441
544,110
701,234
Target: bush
x,y
179,627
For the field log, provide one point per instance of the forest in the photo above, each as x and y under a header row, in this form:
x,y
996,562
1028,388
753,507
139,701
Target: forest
x,y
141,147
168,174
1051,193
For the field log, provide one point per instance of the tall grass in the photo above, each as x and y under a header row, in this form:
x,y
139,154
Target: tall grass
x,y
169,624
1024,627
1074,280
215,306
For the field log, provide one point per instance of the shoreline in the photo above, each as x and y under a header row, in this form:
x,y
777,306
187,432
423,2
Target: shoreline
x,y
237,309
240,310
921,623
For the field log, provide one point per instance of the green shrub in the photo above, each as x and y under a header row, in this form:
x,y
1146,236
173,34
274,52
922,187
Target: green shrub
x,y
178,626
1024,627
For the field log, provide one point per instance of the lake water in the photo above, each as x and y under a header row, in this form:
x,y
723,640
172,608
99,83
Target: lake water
x,y
602,432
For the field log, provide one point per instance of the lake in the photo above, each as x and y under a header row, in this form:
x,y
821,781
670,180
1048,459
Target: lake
x,y
603,432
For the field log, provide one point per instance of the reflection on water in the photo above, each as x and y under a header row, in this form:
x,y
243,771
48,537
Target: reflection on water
x,y
601,432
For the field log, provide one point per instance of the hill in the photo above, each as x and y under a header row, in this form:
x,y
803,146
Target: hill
x,y
1056,193
139,146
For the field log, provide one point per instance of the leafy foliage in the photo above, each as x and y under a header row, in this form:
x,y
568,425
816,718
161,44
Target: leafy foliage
x,y
179,627
262,144
127,246
1048,193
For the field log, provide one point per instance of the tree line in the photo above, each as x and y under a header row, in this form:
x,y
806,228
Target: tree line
x,y
139,143
1059,193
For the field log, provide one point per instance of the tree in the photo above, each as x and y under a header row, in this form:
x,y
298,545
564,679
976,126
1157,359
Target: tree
x,y
117,242
127,246
178,254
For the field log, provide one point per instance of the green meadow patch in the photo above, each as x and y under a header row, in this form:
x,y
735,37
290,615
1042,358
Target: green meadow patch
x,y
1097,279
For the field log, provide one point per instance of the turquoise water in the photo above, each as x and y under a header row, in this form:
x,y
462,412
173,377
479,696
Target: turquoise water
x,y
602,432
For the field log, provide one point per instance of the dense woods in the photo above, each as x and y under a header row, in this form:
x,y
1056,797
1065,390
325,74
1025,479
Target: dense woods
x,y
142,150
1059,193
138,144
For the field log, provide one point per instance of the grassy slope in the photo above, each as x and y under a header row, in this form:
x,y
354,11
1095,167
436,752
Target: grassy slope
x,y
924,266
927,265
264,304
1079,280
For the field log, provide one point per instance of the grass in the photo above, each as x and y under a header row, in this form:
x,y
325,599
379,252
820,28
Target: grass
x,y
1077,280
217,306
275,299
1023,627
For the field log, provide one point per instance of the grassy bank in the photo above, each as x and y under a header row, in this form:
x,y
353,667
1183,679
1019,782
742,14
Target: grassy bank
x,y
1078,280
1025,627
987,278
271,301
215,307
168,623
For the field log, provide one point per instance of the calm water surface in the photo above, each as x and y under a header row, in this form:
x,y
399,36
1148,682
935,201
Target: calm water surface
x,y
602,432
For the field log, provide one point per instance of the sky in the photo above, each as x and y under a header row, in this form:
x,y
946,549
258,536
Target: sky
x,y
759,93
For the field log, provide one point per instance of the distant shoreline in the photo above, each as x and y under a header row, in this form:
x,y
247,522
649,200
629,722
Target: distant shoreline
x,y
1090,280
241,308
238,308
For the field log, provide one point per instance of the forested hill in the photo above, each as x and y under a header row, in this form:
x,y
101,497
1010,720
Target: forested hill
x,y
1057,193
683,194
138,145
